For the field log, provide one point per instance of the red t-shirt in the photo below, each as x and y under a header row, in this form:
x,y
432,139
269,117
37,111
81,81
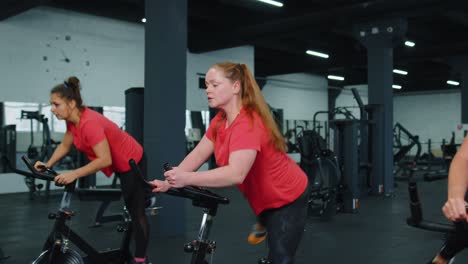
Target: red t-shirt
x,y
274,179
94,128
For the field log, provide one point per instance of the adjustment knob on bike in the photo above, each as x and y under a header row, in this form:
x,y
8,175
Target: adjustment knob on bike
x,y
211,247
189,247
167,167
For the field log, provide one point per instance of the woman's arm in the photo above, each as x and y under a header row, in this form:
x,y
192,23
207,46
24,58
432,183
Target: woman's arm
x,y
191,162
198,155
454,209
103,160
240,163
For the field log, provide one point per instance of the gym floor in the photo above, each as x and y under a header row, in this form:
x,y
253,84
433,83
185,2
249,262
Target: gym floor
x,y
377,234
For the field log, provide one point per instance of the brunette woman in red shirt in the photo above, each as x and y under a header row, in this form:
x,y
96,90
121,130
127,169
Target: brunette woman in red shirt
x,y
250,153
109,150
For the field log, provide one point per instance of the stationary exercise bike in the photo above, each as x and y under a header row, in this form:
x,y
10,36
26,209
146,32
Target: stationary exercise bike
x,y
209,201
56,248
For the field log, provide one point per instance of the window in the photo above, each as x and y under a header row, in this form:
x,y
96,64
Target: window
x,y
116,114
188,120
13,115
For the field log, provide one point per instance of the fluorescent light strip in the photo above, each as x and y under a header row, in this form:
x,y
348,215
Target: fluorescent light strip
x,y
410,43
271,2
453,83
334,77
400,72
396,86
318,54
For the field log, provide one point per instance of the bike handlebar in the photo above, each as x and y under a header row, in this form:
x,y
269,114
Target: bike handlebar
x,y
48,175
191,192
194,192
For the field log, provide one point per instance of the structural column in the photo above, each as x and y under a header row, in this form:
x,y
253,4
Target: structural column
x,y
460,65
464,94
165,102
379,38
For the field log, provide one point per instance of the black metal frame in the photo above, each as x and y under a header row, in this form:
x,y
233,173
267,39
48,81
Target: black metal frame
x,y
323,183
100,217
45,151
416,218
203,198
8,145
407,168
61,235
456,233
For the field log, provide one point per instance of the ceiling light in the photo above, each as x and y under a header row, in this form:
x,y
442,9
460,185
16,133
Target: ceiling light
x,y
410,43
271,2
143,20
318,54
453,83
400,72
396,86
334,77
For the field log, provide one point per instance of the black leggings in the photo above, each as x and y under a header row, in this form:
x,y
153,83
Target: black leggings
x,y
285,226
134,196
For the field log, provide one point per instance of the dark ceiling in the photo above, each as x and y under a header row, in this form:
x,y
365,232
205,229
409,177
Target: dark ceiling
x,y
282,35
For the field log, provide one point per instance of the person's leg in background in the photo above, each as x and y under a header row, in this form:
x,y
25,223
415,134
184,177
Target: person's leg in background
x,y
134,196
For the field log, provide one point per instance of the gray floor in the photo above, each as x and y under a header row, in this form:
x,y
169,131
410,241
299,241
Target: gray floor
x,y
377,234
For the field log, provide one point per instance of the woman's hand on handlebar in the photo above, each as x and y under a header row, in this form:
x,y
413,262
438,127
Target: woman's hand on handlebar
x,y
65,178
39,166
160,186
455,209
176,177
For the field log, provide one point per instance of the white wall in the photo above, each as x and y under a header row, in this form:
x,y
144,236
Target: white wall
x,y
114,50
300,95
431,116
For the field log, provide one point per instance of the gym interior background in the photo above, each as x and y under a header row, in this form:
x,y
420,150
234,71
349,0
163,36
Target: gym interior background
x,y
103,43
